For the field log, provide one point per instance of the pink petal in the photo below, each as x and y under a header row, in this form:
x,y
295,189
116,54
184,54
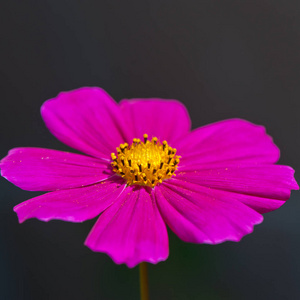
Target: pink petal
x,y
197,217
86,119
165,119
38,169
269,181
131,231
229,140
260,204
74,205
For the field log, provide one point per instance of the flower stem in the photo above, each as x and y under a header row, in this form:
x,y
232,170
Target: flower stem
x,y
144,281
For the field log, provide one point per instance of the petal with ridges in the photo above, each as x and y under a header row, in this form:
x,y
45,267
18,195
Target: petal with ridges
x,y
166,119
180,223
73,205
87,119
260,204
230,140
269,181
38,169
131,231
199,218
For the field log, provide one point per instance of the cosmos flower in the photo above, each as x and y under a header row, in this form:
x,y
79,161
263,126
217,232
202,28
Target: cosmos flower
x,y
144,169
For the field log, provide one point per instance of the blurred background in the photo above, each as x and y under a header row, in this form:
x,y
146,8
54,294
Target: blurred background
x,y
222,59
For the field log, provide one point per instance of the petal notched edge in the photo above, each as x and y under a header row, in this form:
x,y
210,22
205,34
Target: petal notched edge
x,y
131,231
233,140
86,119
73,205
198,217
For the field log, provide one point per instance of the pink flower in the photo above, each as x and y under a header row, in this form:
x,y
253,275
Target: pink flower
x,y
212,188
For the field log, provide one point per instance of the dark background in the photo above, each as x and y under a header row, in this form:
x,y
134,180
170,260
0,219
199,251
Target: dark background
x,y
222,59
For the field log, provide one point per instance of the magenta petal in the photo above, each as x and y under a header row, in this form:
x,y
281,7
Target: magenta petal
x,y
86,119
269,181
198,217
165,119
131,231
74,205
38,169
229,140
260,204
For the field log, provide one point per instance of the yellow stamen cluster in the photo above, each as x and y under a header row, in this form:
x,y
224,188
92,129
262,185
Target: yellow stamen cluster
x,y
145,162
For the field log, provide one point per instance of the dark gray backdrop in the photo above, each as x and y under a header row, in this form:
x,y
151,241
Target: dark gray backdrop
x,y
222,59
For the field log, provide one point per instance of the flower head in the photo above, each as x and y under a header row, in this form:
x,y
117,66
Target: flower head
x,y
145,163
144,168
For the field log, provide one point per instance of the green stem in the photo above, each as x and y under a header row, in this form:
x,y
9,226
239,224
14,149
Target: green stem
x,y
144,281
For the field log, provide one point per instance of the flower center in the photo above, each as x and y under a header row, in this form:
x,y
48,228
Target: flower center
x,y
145,163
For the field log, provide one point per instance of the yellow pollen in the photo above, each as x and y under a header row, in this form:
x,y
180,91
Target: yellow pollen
x,y
147,162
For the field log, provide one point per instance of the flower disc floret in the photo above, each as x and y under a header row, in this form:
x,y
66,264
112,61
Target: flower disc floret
x,y
145,162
